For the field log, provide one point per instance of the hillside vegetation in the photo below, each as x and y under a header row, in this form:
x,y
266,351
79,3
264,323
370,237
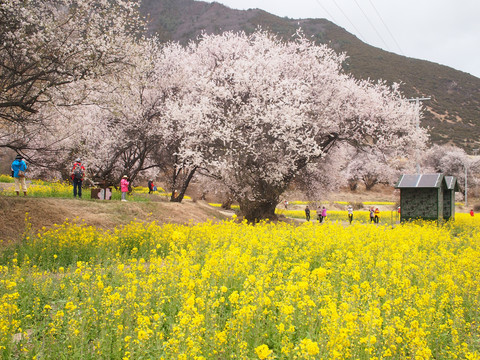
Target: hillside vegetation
x,y
452,114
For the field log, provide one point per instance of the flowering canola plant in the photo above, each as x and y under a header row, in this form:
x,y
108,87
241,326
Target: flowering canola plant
x,y
39,188
237,291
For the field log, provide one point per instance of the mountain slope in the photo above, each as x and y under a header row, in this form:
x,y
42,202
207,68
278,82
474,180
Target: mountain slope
x,y
453,113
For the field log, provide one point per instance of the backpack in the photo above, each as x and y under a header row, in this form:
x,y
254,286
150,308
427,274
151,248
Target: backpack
x,y
77,172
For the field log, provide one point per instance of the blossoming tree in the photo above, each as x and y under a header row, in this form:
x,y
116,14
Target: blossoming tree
x,y
48,44
123,125
371,169
264,109
453,161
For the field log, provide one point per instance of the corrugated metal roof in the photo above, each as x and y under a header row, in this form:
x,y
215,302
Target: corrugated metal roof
x,y
420,181
451,183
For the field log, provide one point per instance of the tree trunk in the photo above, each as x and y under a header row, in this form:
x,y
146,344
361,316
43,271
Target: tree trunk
x,y
255,211
370,181
353,185
178,196
227,203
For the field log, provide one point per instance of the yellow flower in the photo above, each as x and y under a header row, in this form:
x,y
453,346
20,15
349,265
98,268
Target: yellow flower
x,y
263,352
142,335
310,347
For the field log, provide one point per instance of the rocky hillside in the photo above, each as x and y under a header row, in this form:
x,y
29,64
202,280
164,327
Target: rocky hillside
x,y
453,113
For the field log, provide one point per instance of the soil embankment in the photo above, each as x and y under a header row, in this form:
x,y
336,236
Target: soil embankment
x,y
45,212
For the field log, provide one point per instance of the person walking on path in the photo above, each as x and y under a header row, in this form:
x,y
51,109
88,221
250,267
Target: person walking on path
x,y
372,215
19,166
124,187
323,214
377,216
350,213
78,172
307,213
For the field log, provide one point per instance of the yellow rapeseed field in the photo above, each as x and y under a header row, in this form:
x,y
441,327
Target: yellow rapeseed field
x,y
237,291
39,188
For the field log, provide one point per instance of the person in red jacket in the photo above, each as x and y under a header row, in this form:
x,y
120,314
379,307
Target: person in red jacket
x,y
78,172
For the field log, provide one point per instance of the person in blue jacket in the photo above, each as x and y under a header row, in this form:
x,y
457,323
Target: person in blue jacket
x,y
19,166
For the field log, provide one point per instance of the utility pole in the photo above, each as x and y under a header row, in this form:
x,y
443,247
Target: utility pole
x,y
417,126
466,187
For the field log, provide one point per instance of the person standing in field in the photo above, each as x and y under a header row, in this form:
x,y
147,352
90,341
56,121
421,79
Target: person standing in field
x,y
307,213
124,187
372,214
19,166
472,213
377,216
350,213
151,186
323,214
78,172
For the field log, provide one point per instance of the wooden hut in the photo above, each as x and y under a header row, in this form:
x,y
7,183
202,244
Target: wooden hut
x,y
422,197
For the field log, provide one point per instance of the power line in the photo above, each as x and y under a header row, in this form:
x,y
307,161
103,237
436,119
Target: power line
x,y
368,19
324,9
348,19
373,26
386,27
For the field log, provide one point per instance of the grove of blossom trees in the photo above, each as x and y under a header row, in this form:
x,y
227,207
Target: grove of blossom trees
x,y
370,169
251,112
451,160
46,45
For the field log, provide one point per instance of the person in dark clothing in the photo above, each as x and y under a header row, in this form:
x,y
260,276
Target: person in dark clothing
x,y
350,213
307,213
78,172
319,214
151,186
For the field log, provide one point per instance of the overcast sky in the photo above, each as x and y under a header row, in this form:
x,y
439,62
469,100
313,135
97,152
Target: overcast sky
x,y
443,31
